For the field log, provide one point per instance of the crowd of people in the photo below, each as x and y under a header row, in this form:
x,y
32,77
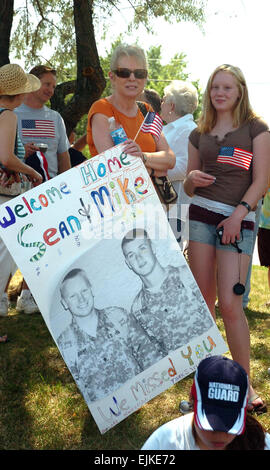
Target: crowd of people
x,y
219,168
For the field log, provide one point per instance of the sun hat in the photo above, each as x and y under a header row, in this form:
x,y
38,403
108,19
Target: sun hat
x,y
220,393
13,80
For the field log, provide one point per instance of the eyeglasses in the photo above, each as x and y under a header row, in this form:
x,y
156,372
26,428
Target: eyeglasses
x,y
125,73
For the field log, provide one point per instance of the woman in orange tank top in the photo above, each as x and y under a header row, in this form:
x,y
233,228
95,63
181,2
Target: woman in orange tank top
x,y
128,76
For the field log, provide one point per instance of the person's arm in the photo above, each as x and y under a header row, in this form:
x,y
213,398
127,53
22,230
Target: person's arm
x,y
195,177
260,173
160,161
101,132
63,157
164,157
7,157
260,170
80,143
30,148
63,162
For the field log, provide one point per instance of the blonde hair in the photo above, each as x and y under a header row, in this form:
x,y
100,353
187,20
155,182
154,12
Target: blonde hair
x,y
126,50
242,111
183,95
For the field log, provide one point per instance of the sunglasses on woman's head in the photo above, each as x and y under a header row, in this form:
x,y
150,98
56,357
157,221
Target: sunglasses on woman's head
x,y
125,73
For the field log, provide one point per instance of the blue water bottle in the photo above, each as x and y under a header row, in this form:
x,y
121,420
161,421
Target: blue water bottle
x,y
117,132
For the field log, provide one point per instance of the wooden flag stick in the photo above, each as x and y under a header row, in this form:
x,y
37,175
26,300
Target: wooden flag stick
x,y
141,126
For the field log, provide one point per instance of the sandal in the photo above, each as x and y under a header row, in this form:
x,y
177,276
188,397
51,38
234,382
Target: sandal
x,y
260,408
4,339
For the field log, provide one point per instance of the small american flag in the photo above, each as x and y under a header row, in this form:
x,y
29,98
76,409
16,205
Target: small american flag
x,y
37,128
235,156
153,124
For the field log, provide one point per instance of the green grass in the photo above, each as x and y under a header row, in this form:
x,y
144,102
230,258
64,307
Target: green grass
x,y
41,407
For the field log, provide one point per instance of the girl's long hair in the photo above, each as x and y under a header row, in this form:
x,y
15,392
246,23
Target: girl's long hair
x,y
253,438
242,112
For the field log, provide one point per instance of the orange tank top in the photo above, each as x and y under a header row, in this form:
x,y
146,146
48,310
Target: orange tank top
x,y
131,125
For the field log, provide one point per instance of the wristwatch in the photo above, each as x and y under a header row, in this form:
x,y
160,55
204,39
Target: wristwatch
x,y
144,157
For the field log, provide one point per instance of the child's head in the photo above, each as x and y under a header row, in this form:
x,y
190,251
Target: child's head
x,y
220,394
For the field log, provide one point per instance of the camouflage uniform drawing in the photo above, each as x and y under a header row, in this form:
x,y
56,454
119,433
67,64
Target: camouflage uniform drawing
x,y
170,318
165,310
100,364
94,345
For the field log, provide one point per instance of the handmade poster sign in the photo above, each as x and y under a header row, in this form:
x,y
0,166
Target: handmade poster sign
x,y
102,263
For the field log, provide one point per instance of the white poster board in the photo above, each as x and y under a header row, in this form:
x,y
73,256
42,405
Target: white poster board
x,y
122,305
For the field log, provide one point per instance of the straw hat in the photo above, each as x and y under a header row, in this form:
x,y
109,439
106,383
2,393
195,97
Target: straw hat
x,y
13,80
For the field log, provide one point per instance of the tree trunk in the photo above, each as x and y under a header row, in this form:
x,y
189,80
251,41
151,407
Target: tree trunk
x,y
6,17
90,81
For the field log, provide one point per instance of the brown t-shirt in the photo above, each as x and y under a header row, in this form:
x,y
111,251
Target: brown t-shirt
x,y
229,160
131,125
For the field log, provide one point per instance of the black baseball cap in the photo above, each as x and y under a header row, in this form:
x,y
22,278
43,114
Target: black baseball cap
x,y
220,393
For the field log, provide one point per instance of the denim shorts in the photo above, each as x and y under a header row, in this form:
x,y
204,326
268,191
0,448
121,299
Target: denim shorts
x,y
206,233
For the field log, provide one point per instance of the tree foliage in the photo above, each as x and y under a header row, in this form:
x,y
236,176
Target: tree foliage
x,y
48,37
51,23
61,33
160,75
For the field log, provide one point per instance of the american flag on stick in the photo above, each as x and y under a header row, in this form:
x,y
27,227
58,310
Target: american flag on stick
x,y
235,156
37,128
152,123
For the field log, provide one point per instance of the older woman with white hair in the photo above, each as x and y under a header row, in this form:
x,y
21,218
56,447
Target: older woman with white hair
x,y
178,105
128,75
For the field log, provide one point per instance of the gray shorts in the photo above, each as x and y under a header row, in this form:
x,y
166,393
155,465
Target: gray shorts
x,y
206,233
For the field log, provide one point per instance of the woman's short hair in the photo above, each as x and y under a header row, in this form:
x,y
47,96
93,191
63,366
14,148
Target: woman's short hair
x,y
241,113
126,50
183,95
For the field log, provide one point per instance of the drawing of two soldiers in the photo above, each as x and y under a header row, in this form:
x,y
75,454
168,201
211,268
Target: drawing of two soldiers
x,y
111,345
